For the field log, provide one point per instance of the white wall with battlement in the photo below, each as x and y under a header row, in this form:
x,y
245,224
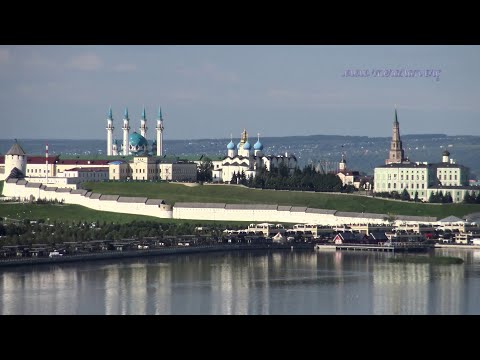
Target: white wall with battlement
x,y
251,215
281,214
199,211
23,192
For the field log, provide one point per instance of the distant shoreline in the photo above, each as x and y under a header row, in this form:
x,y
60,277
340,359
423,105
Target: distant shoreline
x,y
16,262
457,246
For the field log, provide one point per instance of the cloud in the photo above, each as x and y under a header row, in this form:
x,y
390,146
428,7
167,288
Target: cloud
x,y
36,60
125,67
209,71
4,56
85,62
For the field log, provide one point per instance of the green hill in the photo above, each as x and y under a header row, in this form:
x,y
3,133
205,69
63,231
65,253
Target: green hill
x,y
232,194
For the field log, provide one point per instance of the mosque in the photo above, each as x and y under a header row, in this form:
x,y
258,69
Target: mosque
x,y
137,160
135,144
243,158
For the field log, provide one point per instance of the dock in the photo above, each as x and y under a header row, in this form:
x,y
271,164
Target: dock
x,y
382,247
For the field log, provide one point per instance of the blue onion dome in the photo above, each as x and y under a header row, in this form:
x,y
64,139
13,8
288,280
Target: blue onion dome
x,y
247,146
238,146
135,139
231,145
258,145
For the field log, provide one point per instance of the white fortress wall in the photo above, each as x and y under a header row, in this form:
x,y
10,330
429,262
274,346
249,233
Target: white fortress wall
x,y
258,213
199,211
149,207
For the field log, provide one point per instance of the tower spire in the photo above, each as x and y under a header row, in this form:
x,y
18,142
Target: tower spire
x,y
126,113
396,153
144,116
110,114
160,113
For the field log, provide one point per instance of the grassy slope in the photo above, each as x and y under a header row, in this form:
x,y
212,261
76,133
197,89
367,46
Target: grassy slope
x,y
172,193
68,213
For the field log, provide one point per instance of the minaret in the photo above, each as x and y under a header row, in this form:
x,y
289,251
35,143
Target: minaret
x,y
143,124
159,129
126,130
115,148
342,166
109,132
396,154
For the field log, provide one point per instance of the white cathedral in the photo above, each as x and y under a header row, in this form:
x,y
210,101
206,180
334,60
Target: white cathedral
x,y
240,159
135,144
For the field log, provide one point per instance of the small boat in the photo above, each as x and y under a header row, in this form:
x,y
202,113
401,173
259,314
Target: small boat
x,y
323,247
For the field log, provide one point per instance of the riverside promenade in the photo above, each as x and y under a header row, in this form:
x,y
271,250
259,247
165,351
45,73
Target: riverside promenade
x,y
107,255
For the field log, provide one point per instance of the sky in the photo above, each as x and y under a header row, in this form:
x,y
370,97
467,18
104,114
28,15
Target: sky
x,y
64,92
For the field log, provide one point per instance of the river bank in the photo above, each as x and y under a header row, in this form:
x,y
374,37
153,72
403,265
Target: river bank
x,y
150,252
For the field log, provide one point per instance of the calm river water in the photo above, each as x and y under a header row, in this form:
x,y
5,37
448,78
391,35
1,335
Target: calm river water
x,y
256,282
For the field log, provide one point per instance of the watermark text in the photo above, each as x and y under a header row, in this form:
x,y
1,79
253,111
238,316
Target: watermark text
x,y
402,73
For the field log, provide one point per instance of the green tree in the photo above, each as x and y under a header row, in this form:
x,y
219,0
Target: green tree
x,y
448,198
234,178
204,171
405,196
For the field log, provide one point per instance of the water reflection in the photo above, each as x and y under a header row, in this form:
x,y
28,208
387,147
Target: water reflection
x,y
293,282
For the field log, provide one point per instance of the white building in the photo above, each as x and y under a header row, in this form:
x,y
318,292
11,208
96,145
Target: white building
x,y
347,176
248,160
88,174
141,167
421,178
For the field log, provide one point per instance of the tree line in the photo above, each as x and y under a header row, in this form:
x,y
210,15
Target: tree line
x,y
280,178
29,232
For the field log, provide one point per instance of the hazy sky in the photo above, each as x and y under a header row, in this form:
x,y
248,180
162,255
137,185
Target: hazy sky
x,y
53,92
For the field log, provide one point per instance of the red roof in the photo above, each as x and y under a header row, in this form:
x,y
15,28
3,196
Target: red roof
x,y
82,162
91,169
41,159
56,159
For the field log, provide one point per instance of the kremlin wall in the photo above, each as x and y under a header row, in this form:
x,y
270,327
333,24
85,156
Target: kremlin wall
x,y
24,190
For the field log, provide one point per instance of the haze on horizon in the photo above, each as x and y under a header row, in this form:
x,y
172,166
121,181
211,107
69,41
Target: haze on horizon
x,y
206,92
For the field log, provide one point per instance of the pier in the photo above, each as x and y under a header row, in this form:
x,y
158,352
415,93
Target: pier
x,y
382,247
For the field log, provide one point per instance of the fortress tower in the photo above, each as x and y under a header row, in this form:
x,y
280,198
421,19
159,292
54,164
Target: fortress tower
x,y
15,158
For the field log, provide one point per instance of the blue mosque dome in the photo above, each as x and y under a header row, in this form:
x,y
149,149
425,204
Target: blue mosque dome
x,y
137,140
230,145
258,145
247,146
137,144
